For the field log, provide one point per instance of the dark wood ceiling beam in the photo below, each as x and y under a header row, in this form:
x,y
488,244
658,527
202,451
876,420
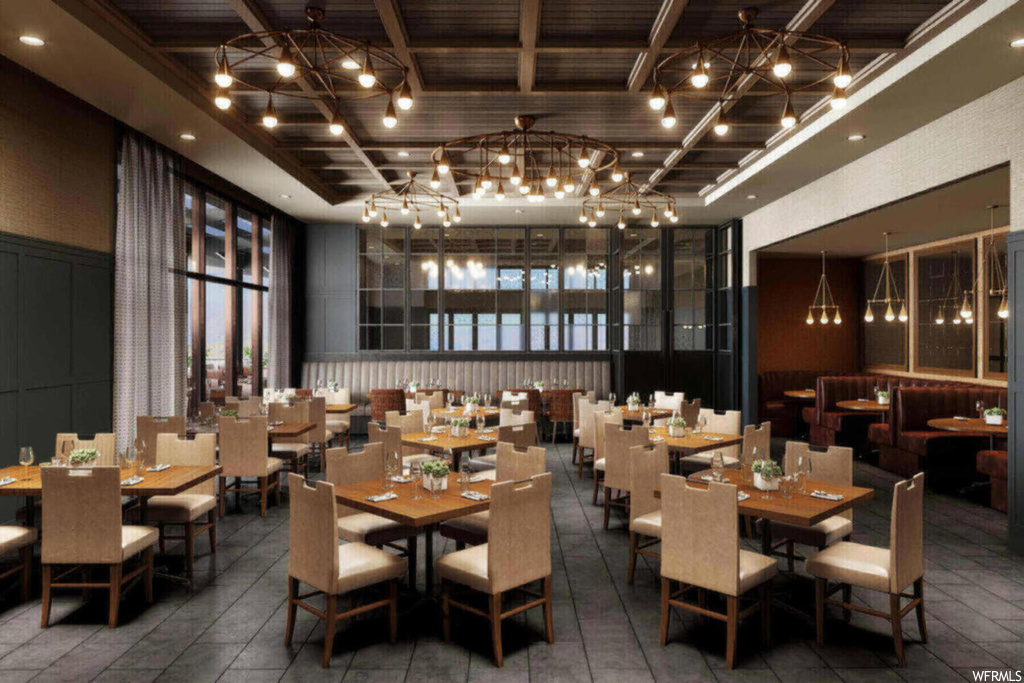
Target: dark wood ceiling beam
x,y
529,31
426,167
394,25
664,25
430,145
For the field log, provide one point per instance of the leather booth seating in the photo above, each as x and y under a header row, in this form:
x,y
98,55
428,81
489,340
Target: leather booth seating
x,y
945,456
993,465
480,376
774,406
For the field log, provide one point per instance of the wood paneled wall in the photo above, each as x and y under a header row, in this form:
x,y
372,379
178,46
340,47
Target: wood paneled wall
x,y
57,163
785,341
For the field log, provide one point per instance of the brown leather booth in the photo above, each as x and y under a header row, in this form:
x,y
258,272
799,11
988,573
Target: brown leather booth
x,y
774,406
993,465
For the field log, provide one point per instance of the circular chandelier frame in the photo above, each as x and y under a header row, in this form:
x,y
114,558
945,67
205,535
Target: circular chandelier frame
x,y
627,200
411,198
528,162
720,70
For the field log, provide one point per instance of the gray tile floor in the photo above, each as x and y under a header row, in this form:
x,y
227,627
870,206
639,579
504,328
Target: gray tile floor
x,y
230,627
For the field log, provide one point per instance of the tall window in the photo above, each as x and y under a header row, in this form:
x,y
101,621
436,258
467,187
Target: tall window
x,y
943,348
585,298
693,252
885,343
228,270
382,288
544,288
640,255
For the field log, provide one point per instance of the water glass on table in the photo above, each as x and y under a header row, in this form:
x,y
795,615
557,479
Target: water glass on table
x,y
465,475
417,481
435,487
717,465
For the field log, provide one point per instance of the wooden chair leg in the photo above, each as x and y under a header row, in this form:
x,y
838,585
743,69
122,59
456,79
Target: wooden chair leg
x,y
549,622
496,628
593,497
750,525
289,628
263,496
702,602
211,518
847,599
897,627
221,485
163,542
575,448
632,557
819,608
277,488
47,595
115,594
919,595
790,555
26,572
147,576
666,591
331,614
190,548
731,626
607,506
393,610
766,612
446,617
579,465
238,494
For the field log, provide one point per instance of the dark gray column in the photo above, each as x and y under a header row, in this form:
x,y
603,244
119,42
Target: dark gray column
x,y
748,358
1015,390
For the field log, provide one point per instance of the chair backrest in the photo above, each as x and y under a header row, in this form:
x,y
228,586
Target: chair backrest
x,y
834,466
246,407
700,543
147,428
759,438
410,423
313,534
318,414
668,401
618,442
413,405
517,463
383,401
578,398
511,416
588,435
243,446
523,436
690,411
207,410
519,533
296,412
612,417
345,468
342,395
906,533
646,465
389,437
727,422
106,444
177,449
81,515
434,400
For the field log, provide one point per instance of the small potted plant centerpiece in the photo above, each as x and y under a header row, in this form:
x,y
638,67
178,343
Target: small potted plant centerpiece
x,y
460,426
229,413
766,474
539,385
289,397
472,404
677,427
413,387
633,402
83,457
995,416
333,385
435,469
883,398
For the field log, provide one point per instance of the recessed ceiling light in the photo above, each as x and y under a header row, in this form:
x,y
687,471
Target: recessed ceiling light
x,y
1017,42
403,154
34,41
187,136
286,196
751,196
856,137
637,154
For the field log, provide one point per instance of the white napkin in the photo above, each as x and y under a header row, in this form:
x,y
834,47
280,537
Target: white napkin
x,y
824,495
475,495
428,438
132,481
7,480
401,480
742,496
158,468
487,438
380,498
711,477
657,438
479,476
862,399
961,417
713,438
485,431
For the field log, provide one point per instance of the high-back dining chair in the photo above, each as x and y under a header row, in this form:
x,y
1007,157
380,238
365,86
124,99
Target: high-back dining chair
x,y
106,444
512,463
316,559
522,435
700,549
757,443
339,423
245,407
243,455
886,570
421,407
588,434
208,410
433,399
668,400
613,417
320,436
147,428
646,465
517,552
410,423
294,451
727,422
511,416
577,398
618,442
94,540
188,507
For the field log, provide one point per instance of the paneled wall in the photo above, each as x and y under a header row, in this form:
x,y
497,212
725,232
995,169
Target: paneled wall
x,y
331,272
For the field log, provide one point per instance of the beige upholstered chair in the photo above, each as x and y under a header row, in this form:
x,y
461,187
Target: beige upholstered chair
x,y
511,416
410,423
340,423
246,407
668,400
887,570
147,428
82,527
434,399
422,407
321,435
208,410
646,465
316,559
243,454
293,451
517,552
612,417
616,463
588,435
700,549
352,468
690,411
19,539
106,444
521,436
577,398
512,463
757,443
727,422
187,508
835,466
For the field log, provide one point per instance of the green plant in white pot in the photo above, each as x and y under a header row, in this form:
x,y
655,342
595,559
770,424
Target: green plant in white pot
x,y
883,398
472,405
766,474
633,402
83,457
995,416
539,385
435,469
677,427
460,426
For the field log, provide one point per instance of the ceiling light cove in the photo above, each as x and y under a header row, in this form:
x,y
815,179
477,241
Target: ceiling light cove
x,y
1017,42
188,137
32,41
856,137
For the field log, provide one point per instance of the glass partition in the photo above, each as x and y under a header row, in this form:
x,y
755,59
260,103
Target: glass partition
x,y
885,342
945,310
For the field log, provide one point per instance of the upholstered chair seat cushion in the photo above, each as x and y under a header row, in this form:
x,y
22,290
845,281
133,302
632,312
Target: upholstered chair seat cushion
x,y
470,529
467,567
371,529
704,459
135,539
755,569
337,426
825,532
599,465
361,565
648,525
274,465
408,460
183,507
853,563
15,537
291,450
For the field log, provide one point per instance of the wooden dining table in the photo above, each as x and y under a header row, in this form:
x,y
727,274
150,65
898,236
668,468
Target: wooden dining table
x,y
443,441
340,408
801,394
638,415
458,412
972,425
422,514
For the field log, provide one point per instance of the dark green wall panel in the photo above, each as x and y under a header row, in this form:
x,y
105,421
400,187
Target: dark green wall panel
x,y
45,320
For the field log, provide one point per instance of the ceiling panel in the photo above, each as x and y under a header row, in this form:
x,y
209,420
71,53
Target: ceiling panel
x,y
597,20
585,67
447,68
433,20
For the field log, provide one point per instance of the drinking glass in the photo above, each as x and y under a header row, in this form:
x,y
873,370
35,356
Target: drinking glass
x,y
565,384
650,400
435,487
611,397
786,487
140,448
487,400
417,481
449,457
464,475
126,467
980,407
717,465
768,480
26,456
66,446
480,421
803,473
702,422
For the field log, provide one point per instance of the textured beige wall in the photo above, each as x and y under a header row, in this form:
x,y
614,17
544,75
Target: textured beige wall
x,y
57,163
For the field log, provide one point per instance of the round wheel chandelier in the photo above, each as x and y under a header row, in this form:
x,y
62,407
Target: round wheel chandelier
x,y
626,200
312,64
722,69
411,197
527,162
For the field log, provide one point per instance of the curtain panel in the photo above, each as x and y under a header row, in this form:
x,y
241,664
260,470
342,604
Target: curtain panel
x,y
282,246
150,306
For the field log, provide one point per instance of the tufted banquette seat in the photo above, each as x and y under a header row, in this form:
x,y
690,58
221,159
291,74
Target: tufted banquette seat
x,y
774,406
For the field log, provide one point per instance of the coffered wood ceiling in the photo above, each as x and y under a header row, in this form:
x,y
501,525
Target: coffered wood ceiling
x,y
581,67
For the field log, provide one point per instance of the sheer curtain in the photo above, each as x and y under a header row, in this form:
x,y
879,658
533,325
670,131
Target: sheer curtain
x,y
150,307
280,314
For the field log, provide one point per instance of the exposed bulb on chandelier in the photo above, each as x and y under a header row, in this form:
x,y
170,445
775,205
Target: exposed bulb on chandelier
x,y
285,65
838,100
810,317
869,315
783,66
621,225
890,315
499,193
837,319
367,78
699,78
824,317
390,116
417,223
504,154
965,309
843,78
584,160
657,98
223,77
904,317
405,101
270,114
1004,309
223,99
336,127
940,319
668,118
788,115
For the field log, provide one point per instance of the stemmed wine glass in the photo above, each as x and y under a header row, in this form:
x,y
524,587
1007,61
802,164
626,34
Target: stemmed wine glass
x,y
140,449
66,446
611,397
803,472
26,456
702,422
980,407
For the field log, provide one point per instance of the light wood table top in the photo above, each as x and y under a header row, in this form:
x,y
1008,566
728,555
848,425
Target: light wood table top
x,y
289,430
803,394
867,406
421,512
341,407
695,443
974,425
638,415
457,412
172,481
442,442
